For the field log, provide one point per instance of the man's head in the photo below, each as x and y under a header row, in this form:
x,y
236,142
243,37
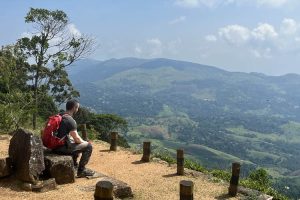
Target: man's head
x,y
72,106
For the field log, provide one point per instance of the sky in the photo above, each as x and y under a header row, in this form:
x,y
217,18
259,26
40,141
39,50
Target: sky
x,y
236,35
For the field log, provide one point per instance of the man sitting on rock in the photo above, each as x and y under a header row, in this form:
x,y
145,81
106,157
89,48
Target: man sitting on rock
x,y
74,143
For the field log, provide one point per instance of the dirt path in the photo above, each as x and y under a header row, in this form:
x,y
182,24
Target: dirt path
x,y
149,181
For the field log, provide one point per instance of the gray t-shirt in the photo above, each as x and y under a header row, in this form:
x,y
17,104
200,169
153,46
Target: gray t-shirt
x,y
67,124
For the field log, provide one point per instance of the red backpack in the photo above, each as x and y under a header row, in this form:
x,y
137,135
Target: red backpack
x,y
49,138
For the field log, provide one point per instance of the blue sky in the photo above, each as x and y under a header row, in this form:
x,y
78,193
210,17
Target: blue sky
x,y
236,35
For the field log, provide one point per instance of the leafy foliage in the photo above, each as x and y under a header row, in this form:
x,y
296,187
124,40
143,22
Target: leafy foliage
x,y
14,101
50,48
103,124
106,123
260,180
222,174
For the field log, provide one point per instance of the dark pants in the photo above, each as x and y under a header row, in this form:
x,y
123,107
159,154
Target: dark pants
x,y
74,150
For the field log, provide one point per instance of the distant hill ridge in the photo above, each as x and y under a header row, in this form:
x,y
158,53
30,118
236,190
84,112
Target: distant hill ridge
x,y
248,116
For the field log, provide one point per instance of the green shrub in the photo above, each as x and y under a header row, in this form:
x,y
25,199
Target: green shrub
x,y
224,175
135,149
190,164
164,155
260,180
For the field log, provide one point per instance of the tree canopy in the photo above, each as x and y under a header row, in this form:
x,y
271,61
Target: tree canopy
x,y
49,49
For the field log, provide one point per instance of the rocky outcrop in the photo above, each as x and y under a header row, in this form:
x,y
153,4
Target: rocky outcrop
x,y
60,167
26,154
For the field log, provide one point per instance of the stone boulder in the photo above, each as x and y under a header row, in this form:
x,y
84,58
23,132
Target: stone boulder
x,y
5,167
121,189
41,186
60,167
27,157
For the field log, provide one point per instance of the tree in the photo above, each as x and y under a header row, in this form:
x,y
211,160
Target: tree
x,y
14,94
50,49
103,124
83,116
261,177
106,123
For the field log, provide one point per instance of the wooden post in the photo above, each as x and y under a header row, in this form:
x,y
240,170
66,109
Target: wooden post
x,y
180,162
103,191
113,141
234,181
186,190
146,151
84,132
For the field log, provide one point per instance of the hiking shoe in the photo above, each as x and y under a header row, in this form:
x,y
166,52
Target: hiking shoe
x,y
86,172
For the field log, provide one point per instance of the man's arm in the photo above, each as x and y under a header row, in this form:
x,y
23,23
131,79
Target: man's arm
x,y
76,137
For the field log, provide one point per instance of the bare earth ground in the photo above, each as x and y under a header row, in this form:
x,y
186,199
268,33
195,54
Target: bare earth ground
x,y
149,181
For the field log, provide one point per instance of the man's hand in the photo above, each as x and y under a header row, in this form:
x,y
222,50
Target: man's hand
x,y
76,137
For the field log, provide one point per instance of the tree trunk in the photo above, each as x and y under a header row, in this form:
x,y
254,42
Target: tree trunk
x,y
34,114
35,98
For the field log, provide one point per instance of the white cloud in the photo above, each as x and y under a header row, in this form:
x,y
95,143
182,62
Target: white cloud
x,y
210,38
196,3
235,34
262,53
187,3
263,41
289,26
264,32
154,41
173,46
26,34
73,30
137,50
272,3
178,20
238,35
215,3
155,46
212,3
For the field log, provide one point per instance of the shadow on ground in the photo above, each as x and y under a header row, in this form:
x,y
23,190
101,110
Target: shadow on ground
x,y
170,175
105,150
224,196
138,162
12,183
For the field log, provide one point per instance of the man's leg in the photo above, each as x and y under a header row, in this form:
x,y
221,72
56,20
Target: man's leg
x,y
75,155
68,150
86,150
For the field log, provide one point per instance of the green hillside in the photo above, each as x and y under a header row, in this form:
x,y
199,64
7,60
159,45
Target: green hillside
x,y
217,116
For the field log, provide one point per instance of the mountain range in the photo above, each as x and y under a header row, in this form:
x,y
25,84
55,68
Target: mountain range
x,y
217,116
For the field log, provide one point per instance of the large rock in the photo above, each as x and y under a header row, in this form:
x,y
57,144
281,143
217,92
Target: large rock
x,y
42,186
5,167
26,153
121,189
60,167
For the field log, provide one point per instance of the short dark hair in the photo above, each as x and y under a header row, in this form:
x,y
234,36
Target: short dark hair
x,y
71,104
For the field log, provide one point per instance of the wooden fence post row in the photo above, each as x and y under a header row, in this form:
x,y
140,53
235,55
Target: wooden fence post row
x,y
113,141
186,190
103,191
146,151
84,132
234,181
180,162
